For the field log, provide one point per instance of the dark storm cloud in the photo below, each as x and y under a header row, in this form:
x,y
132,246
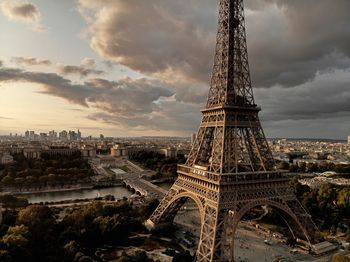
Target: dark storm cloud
x,y
143,104
162,37
289,41
299,44
85,69
335,126
53,84
328,94
170,116
128,97
125,97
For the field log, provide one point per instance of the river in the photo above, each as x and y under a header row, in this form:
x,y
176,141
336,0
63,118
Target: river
x,y
118,192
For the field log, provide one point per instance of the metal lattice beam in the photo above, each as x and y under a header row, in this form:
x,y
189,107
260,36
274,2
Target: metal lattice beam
x,y
230,168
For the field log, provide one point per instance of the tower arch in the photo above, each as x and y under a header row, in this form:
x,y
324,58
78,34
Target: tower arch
x,y
278,204
176,200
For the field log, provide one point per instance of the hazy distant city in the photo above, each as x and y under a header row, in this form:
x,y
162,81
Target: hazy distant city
x,y
134,161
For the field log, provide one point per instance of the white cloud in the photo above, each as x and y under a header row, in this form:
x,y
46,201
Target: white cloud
x,y
23,11
88,62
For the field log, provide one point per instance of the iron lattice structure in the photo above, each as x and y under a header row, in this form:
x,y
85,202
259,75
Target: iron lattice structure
x,y
230,168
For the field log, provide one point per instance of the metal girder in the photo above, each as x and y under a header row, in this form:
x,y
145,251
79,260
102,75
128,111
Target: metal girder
x,y
230,168
231,115
231,82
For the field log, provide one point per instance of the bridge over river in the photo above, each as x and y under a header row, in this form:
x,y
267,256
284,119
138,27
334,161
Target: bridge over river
x,y
143,187
131,180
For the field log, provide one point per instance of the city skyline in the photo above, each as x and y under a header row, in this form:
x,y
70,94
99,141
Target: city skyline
x,y
106,69
189,136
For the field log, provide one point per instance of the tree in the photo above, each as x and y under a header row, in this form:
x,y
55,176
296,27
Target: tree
x,y
302,167
11,201
16,236
183,257
325,195
139,256
298,188
81,257
344,197
42,226
283,166
7,180
340,258
71,248
17,242
147,208
312,167
309,201
36,216
5,256
293,168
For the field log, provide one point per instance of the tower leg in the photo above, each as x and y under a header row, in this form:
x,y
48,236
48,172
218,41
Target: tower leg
x,y
166,210
172,203
312,233
210,242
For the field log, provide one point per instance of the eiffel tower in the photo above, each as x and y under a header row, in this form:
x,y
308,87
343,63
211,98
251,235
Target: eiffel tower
x,y
230,168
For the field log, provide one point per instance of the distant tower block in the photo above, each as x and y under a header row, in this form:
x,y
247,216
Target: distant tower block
x,y
230,168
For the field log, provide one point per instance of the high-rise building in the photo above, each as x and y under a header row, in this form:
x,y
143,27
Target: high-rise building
x,y
43,136
349,140
31,135
72,135
52,134
79,135
63,135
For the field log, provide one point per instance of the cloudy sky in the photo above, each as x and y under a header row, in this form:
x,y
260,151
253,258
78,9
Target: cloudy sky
x,y
136,67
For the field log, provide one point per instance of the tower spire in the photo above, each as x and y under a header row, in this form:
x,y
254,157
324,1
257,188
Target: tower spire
x,y
230,138
230,82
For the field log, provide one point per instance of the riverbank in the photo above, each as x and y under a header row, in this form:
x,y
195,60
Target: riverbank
x,y
69,193
24,191
66,203
45,190
75,193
